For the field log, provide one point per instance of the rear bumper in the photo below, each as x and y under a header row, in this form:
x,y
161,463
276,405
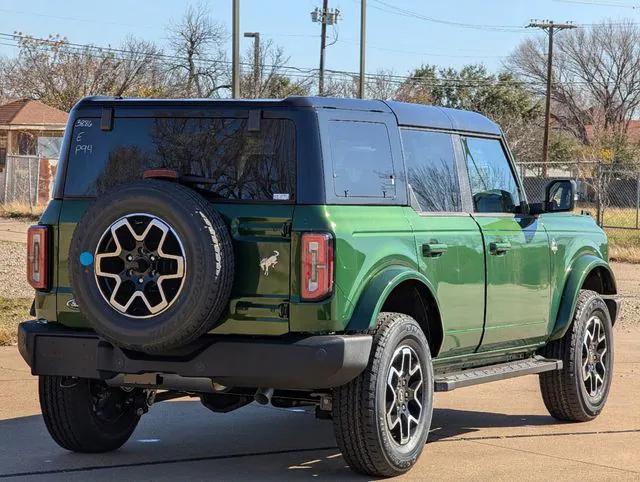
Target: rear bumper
x,y
310,362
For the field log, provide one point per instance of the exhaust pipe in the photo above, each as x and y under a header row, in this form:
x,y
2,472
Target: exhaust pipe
x,y
263,396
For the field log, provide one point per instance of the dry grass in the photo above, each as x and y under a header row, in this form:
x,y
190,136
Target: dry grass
x,y
624,245
21,211
621,217
12,312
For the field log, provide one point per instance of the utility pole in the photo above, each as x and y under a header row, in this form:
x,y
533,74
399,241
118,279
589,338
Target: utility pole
x,y
235,51
363,38
325,17
256,61
550,27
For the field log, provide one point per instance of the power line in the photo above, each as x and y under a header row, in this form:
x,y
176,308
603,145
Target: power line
x,y
412,14
428,54
73,19
291,71
596,3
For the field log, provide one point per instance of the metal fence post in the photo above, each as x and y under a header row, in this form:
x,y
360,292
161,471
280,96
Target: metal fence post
x,y
599,219
638,201
38,165
6,179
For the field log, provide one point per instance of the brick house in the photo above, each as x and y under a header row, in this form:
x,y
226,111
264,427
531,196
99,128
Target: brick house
x,y
31,130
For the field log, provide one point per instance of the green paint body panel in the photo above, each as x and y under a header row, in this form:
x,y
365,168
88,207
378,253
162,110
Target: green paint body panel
x,y
456,277
581,247
257,231
531,290
518,286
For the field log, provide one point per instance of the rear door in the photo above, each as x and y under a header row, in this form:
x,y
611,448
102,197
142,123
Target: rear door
x,y
448,240
247,169
516,249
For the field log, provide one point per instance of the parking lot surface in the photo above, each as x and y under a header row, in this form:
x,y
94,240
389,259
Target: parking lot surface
x,y
499,431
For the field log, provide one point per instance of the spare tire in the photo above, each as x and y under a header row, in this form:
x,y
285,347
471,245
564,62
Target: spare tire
x,y
151,266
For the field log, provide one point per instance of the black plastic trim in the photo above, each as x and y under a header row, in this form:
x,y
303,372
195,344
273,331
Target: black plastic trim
x,y
310,362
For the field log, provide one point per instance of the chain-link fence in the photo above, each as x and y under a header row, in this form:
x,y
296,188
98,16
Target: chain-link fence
x,y
27,180
611,195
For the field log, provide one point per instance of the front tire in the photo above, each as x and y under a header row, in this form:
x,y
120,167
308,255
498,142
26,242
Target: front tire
x,y
579,391
86,415
382,417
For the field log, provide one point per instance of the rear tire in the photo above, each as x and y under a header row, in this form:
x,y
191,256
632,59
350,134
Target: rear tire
x,y
85,415
372,413
579,391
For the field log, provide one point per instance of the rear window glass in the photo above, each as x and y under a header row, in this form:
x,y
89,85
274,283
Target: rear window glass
x,y
234,163
362,162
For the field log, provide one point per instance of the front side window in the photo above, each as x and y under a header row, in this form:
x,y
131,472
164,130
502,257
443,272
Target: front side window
x,y
493,185
362,162
233,162
431,170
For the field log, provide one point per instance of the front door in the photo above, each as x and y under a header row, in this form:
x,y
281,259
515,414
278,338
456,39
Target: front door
x,y
516,249
448,241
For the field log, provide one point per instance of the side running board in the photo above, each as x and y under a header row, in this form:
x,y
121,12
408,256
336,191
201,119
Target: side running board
x,y
450,381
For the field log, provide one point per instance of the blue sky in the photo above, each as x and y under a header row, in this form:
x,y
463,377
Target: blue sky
x,y
396,41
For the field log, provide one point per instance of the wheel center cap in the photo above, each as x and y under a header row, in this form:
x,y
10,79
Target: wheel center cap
x,y
141,265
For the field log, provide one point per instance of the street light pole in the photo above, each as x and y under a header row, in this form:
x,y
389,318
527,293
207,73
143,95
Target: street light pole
x,y
550,27
363,38
235,50
256,61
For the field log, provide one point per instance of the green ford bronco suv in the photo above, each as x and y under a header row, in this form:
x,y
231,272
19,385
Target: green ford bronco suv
x,y
352,255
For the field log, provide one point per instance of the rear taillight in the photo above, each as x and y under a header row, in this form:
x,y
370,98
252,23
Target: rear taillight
x,y
317,266
37,257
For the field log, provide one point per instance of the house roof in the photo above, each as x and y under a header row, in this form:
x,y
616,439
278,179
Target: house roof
x,y
32,113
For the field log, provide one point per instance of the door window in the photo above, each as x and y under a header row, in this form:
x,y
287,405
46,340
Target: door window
x,y
362,162
431,170
493,185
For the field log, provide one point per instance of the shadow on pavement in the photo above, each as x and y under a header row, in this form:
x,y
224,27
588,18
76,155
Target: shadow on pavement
x,y
185,439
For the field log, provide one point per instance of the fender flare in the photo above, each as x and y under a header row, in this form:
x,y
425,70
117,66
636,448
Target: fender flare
x,y
576,277
376,292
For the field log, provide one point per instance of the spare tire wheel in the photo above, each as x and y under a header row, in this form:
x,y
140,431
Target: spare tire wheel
x,y
151,266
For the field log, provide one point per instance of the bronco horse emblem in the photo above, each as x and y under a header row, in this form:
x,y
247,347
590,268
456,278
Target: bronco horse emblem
x,y
269,262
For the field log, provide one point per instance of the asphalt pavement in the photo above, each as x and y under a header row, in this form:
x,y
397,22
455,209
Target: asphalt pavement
x,y
498,431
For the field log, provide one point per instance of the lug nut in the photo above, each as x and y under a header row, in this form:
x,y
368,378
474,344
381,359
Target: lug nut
x,y
140,280
129,258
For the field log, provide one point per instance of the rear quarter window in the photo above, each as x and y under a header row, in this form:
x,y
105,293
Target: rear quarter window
x,y
237,164
362,160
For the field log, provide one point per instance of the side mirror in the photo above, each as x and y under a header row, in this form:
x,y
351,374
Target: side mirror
x,y
560,196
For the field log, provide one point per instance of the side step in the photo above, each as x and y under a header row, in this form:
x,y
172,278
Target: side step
x,y
474,376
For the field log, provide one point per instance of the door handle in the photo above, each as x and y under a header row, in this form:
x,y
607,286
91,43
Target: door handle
x,y
497,248
434,249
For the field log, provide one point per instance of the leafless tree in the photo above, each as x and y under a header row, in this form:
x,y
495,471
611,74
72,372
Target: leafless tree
x,y
382,85
274,79
198,66
596,80
59,73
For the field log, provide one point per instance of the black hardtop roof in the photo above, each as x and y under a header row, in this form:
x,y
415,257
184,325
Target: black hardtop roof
x,y
407,114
